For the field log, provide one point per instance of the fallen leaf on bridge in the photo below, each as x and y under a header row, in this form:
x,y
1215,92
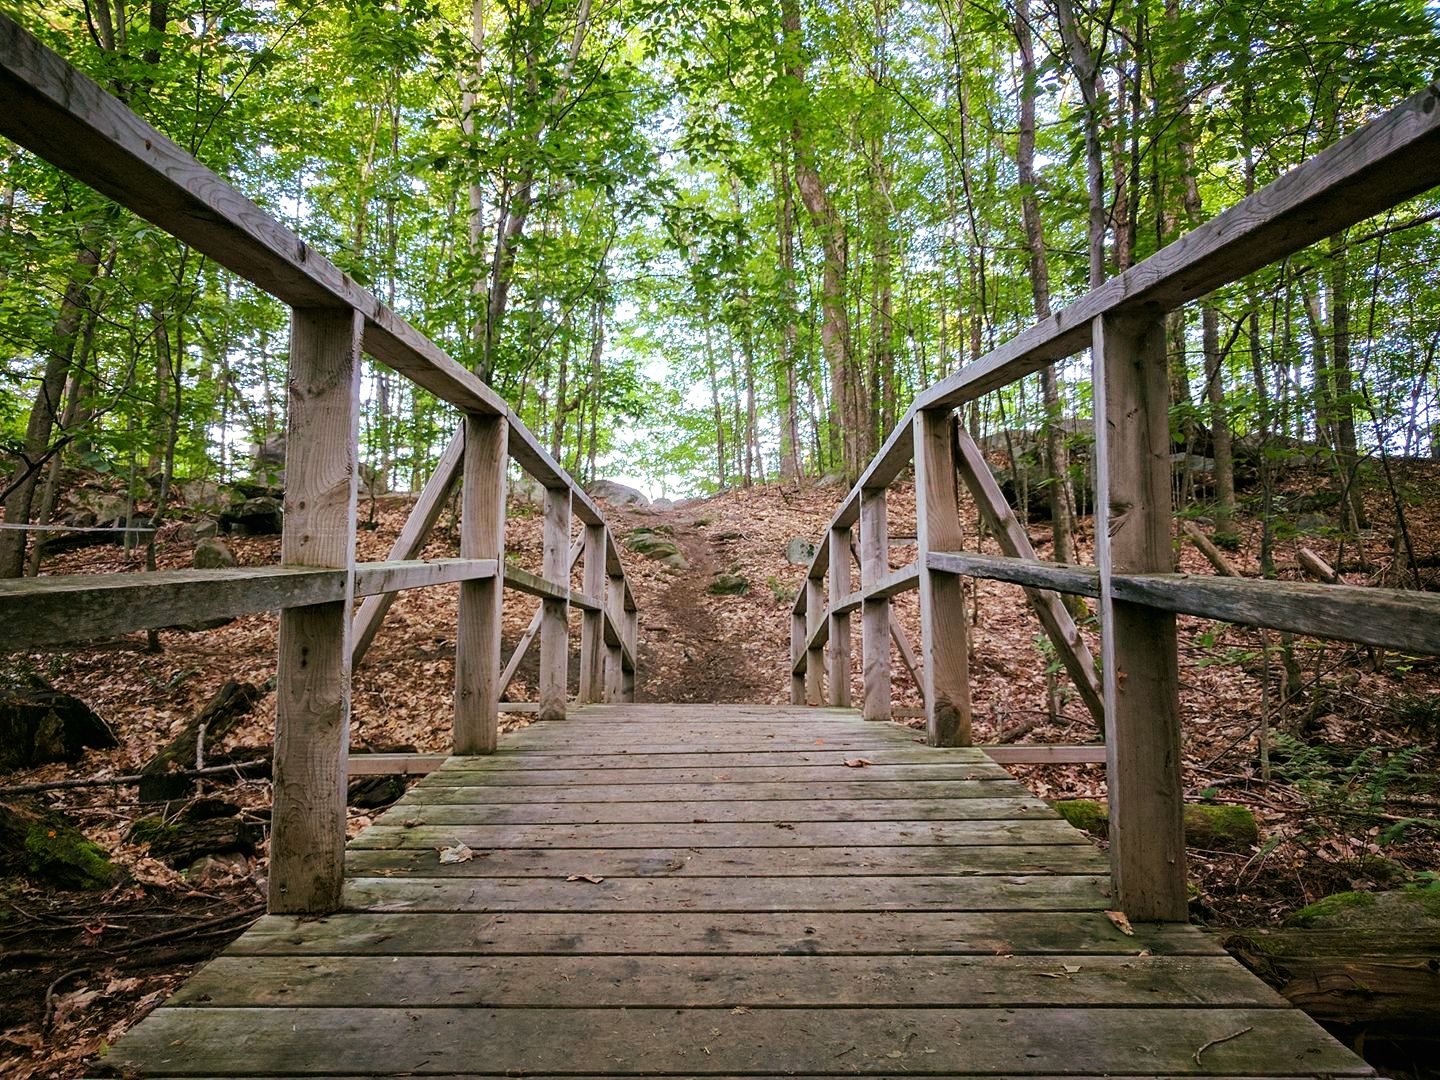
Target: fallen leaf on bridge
x,y
457,854
856,763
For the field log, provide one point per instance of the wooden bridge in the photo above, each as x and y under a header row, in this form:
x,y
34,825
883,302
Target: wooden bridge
x,y
633,890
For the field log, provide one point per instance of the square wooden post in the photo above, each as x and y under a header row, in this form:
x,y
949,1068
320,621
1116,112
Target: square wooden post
x,y
312,686
838,647
477,633
797,650
814,658
944,643
1140,667
555,614
632,638
614,655
875,613
592,623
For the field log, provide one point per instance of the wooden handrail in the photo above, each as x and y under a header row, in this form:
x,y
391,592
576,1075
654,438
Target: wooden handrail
x,y
66,118
1121,321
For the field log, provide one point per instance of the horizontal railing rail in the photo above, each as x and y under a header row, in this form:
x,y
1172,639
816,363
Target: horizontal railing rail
x,y
1134,693
64,117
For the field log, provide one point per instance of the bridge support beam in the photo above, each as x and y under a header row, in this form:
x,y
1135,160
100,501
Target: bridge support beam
x,y
477,630
814,658
837,649
592,623
1139,665
555,613
875,612
312,685
944,641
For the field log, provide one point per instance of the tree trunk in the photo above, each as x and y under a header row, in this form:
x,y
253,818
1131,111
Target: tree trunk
x,y
44,412
786,387
835,319
1061,499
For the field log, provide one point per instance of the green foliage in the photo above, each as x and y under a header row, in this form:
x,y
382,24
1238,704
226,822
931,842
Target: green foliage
x,y
1348,795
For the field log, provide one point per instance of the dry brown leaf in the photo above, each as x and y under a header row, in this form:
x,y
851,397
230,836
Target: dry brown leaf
x,y
593,879
457,854
856,763
1121,921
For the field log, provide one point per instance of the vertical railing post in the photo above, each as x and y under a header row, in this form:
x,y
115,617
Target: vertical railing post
x,y
614,654
875,613
312,687
814,658
632,639
482,536
944,646
838,647
797,651
592,623
555,614
1140,666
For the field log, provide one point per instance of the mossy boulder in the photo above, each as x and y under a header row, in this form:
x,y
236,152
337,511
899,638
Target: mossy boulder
x,y
1414,907
729,585
42,846
654,545
1214,826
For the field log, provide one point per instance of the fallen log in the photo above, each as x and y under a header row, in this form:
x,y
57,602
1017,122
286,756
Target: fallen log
x,y
159,780
1387,980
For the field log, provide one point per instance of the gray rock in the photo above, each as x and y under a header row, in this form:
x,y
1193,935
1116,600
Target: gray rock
x,y
191,531
198,493
260,516
619,494
212,554
799,551
662,504
527,489
729,585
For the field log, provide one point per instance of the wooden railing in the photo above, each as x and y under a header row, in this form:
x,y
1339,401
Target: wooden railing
x,y
1122,324
63,116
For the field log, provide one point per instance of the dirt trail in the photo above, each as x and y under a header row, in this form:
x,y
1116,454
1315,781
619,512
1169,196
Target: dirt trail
x,y
690,651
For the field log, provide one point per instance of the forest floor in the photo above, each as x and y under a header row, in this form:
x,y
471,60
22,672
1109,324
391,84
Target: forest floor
x,y
1350,803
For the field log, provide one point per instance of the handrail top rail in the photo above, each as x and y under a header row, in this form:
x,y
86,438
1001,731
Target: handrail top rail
x,y
1390,159
62,115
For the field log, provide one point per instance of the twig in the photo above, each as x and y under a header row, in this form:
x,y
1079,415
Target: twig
x,y
1221,1039
49,1015
121,781
254,911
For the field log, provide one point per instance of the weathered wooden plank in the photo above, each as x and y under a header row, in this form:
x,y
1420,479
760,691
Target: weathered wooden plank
x,y
688,758
1140,659
477,632
1399,619
778,747
736,774
481,787
411,542
1040,754
555,610
707,1041
720,982
1031,573
1064,635
729,895
56,609
422,811
394,764
740,862
817,933
943,632
312,684
724,834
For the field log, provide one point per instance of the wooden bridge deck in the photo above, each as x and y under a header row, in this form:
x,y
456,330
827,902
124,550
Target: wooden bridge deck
x,y
712,891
